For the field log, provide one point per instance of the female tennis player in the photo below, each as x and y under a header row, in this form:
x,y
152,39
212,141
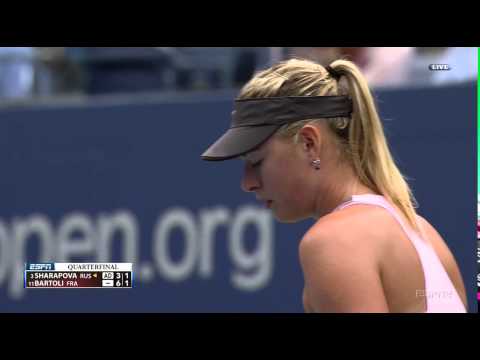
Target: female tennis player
x,y
314,146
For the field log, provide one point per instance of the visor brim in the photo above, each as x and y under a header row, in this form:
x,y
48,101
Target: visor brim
x,y
238,141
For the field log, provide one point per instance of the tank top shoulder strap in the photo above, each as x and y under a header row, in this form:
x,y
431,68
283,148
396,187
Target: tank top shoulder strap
x,y
418,240
378,200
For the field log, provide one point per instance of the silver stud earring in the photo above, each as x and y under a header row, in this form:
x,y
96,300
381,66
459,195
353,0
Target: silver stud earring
x,y
316,164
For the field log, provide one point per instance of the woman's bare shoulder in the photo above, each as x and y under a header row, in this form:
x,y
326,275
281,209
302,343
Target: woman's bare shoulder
x,y
340,268
357,233
359,222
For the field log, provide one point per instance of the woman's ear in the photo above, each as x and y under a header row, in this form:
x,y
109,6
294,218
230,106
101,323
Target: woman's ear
x,y
310,139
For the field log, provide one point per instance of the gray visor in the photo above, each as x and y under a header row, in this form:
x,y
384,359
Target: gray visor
x,y
255,120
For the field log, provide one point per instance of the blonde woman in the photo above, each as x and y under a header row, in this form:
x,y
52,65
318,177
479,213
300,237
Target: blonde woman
x,y
314,146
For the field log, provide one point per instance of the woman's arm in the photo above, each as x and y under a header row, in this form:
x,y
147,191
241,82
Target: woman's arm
x,y
341,273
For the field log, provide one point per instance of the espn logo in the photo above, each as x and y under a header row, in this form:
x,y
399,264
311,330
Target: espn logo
x,y
436,67
44,266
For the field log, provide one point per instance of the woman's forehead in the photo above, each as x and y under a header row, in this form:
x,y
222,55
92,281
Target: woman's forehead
x,y
263,149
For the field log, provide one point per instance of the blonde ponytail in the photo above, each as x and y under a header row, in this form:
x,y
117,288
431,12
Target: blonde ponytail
x,y
368,147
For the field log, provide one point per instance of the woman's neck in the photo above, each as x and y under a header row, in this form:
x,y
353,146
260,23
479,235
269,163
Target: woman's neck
x,y
327,201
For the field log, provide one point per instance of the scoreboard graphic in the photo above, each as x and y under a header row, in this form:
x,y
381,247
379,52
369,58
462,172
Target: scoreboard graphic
x,y
78,275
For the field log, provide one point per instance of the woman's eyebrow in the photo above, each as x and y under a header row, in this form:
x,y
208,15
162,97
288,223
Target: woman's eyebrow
x,y
252,157
249,155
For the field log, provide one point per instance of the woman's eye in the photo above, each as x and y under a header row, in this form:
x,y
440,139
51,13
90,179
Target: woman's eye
x,y
257,164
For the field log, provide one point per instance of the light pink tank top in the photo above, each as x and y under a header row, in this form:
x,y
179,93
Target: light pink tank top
x,y
441,296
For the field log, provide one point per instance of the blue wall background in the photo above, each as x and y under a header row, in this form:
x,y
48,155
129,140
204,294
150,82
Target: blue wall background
x,y
70,173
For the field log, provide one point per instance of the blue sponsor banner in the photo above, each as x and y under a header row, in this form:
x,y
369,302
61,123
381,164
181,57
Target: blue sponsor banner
x,y
120,182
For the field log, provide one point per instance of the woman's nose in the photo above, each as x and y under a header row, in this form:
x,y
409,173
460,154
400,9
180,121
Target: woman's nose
x,y
250,180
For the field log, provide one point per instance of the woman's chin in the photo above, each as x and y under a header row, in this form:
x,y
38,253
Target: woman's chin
x,y
286,218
